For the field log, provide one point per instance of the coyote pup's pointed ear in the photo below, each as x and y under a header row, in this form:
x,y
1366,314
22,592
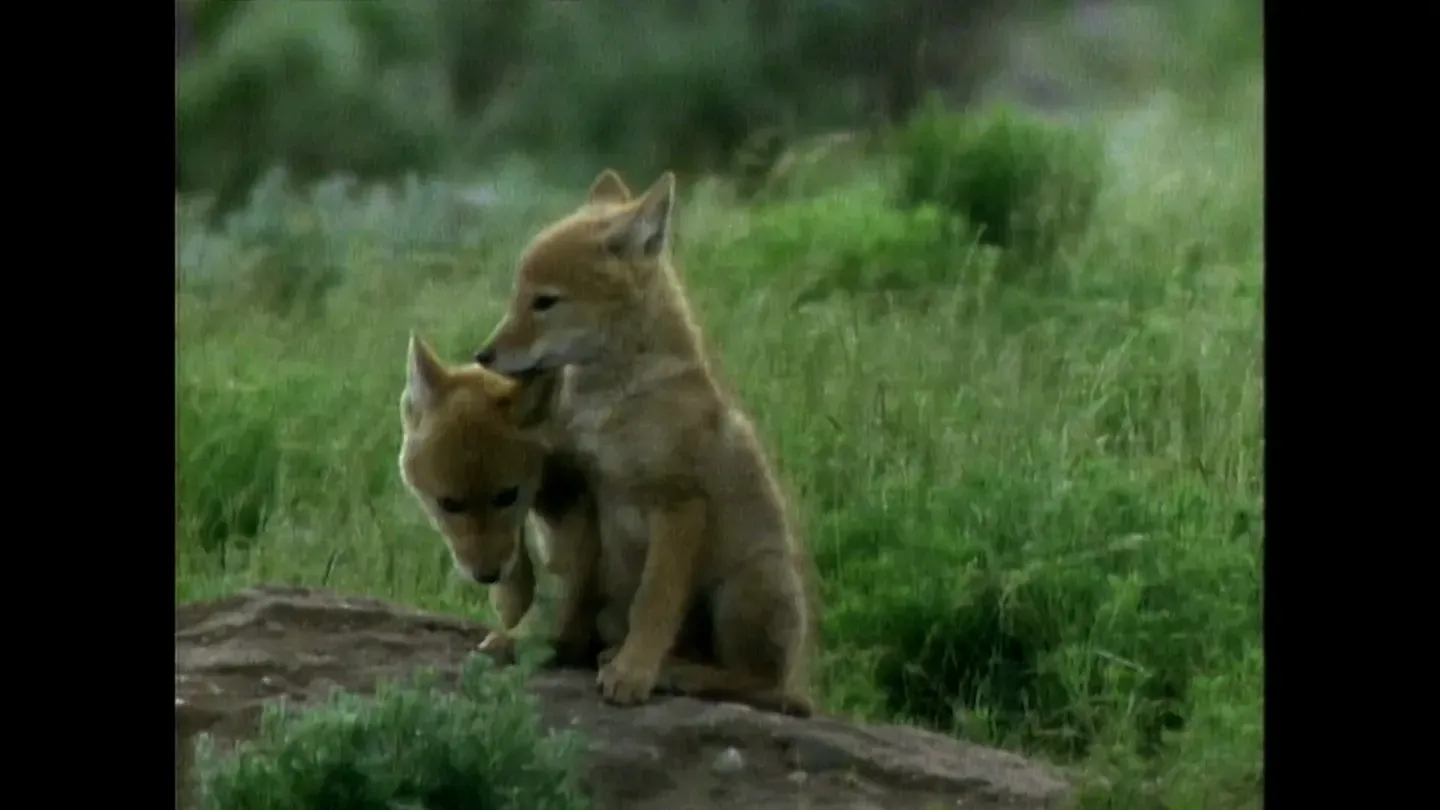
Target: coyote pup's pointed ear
x,y
424,376
529,403
641,233
608,187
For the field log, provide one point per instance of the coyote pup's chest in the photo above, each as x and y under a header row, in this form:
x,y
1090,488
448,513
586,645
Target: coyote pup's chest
x,y
606,441
633,434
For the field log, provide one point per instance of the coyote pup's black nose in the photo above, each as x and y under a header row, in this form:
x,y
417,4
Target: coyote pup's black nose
x,y
485,356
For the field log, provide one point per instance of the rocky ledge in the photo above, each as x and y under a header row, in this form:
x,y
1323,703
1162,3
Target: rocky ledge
x,y
233,654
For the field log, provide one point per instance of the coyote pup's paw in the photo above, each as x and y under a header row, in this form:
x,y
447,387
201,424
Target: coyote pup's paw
x,y
624,682
499,645
607,655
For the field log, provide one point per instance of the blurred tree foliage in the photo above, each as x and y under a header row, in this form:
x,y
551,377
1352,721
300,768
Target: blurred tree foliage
x,y
380,88
384,87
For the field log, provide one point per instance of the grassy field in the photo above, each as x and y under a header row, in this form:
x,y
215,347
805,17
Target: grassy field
x,y
1035,498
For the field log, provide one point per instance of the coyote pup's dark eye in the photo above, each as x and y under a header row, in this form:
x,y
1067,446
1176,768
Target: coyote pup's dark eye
x,y
544,302
505,497
451,505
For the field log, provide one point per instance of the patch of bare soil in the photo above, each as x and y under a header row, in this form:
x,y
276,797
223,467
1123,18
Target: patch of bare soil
x,y
233,654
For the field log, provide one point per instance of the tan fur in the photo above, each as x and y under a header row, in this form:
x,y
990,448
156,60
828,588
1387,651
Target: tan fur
x,y
466,446
689,509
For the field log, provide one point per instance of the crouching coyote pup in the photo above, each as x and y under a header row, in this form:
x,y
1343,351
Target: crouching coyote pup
x,y
688,507
468,457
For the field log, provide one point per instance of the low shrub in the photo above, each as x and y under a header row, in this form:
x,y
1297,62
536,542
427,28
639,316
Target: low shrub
x,y
1025,184
855,242
414,745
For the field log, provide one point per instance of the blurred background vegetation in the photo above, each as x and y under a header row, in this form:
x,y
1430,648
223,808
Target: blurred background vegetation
x,y
382,88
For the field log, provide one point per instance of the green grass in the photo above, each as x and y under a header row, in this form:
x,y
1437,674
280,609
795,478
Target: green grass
x,y
1035,501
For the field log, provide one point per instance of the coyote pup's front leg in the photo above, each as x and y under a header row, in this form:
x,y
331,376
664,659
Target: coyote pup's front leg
x,y
576,641
512,598
661,601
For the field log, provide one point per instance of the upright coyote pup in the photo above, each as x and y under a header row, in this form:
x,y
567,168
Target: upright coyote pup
x,y
689,509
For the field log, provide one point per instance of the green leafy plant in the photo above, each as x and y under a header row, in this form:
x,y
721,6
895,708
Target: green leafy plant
x,y
414,745
1025,184
854,242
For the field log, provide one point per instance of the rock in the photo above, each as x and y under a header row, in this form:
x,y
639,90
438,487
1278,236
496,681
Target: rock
x,y
729,761
233,654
